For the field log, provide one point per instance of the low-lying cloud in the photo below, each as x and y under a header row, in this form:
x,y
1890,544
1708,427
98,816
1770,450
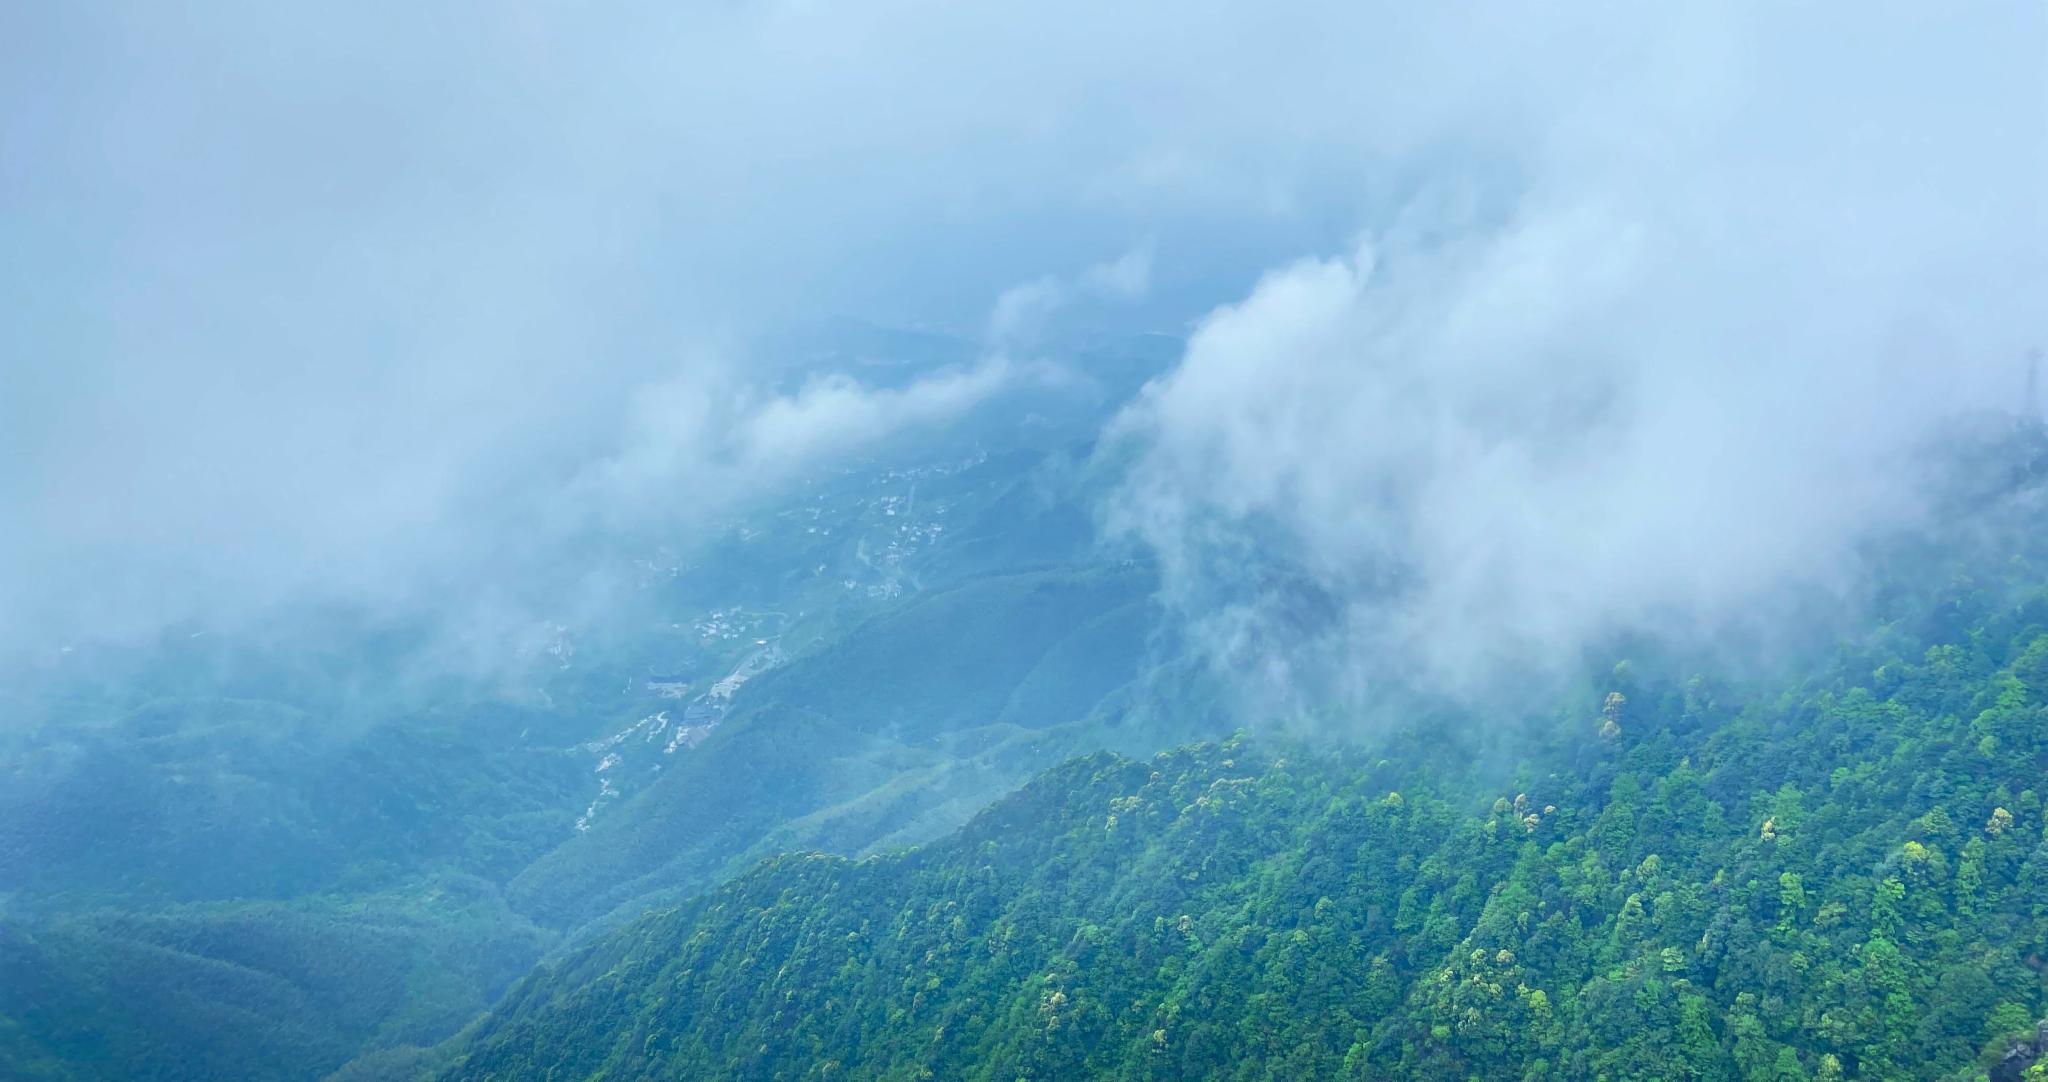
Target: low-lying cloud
x,y
1650,303
1022,311
712,439
1684,366
280,504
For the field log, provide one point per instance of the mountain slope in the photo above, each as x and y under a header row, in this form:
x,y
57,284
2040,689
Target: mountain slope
x,y
1846,877
252,989
323,793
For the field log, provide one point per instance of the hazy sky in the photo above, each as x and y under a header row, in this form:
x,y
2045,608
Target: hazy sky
x,y
1568,314
1751,261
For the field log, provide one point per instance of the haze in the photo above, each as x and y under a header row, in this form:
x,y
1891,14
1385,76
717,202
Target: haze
x,y
1505,332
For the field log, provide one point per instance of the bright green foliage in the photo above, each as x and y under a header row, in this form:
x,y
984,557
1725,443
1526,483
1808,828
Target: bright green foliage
x,y
1828,861
1810,884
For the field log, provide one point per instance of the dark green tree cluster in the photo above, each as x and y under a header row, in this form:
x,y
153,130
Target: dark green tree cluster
x,y
1845,877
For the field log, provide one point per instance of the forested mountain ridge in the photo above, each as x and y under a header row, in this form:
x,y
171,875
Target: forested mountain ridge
x,y
1845,832
876,542
1844,877
262,853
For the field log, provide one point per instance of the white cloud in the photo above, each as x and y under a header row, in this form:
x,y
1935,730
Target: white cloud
x,y
1126,277
1023,310
1681,368
712,437
322,300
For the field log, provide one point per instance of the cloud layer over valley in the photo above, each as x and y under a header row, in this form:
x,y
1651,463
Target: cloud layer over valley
x,y
1682,366
1624,318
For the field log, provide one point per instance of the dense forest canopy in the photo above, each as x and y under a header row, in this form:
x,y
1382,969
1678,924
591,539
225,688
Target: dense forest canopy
x,y
1843,875
1680,864
893,539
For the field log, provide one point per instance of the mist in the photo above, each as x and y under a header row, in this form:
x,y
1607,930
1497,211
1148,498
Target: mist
x,y
1502,332
1422,540
1674,379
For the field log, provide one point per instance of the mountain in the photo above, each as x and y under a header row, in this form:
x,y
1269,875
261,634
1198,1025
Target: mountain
x,y
862,781
265,851
1842,876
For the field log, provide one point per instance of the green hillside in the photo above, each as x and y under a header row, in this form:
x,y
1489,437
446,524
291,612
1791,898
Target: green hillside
x,y
779,541
252,989
1844,876
266,857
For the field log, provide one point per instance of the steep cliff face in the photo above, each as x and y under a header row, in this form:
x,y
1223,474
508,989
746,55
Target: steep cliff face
x,y
2015,1064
